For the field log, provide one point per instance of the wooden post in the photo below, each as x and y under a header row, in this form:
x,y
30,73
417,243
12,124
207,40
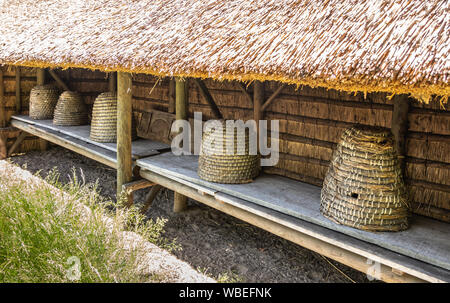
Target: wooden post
x,y
181,113
172,96
2,101
399,127
18,97
258,100
3,136
40,80
124,111
112,81
40,76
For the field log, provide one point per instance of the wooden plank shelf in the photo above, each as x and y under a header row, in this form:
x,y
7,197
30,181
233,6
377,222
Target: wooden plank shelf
x,y
422,251
76,138
140,148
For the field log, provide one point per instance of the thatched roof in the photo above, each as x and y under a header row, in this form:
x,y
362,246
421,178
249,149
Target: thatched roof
x,y
354,45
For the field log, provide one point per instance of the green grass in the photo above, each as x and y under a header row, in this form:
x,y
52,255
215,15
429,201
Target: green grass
x,y
43,235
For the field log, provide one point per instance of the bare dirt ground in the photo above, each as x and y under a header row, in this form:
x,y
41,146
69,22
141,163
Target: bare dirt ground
x,y
212,242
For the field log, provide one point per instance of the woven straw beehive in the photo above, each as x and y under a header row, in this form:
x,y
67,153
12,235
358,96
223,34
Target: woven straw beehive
x,y
70,110
104,119
216,165
43,99
363,187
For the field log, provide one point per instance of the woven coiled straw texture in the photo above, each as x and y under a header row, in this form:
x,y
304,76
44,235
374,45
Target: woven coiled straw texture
x,y
104,118
70,110
363,187
216,165
43,99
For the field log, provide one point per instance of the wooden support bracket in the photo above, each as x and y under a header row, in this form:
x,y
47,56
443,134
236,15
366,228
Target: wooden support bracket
x,y
272,97
150,197
130,187
16,143
245,92
208,98
58,80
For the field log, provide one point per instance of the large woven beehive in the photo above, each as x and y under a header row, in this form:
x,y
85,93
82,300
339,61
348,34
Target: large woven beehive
x,y
104,119
216,165
363,187
43,99
70,110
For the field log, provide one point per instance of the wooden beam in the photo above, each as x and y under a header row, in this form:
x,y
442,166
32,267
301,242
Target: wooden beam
x,y
399,126
112,82
208,98
258,99
124,112
326,249
16,143
172,96
272,97
130,187
245,92
40,80
18,92
58,80
2,101
40,76
181,113
150,197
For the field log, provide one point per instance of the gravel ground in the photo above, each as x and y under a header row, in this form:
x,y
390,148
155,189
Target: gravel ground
x,y
213,242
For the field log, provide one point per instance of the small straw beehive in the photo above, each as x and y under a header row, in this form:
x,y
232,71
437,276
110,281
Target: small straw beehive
x,y
43,99
70,110
364,187
216,165
104,119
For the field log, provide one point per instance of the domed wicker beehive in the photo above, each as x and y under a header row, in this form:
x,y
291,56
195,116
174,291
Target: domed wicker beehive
x,y
363,187
104,119
216,165
43,99
70,110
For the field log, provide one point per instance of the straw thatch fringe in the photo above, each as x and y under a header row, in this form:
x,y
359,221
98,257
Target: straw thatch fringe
x,y
394,46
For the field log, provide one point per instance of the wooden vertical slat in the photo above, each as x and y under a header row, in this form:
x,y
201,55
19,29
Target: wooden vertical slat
x,y
172,96
2,101
181,113
399,126
124,112
40,80
112,81
18,97
258,100
40,76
